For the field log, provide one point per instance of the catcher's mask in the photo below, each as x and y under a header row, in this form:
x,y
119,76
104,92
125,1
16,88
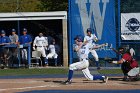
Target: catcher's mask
x,y
122,50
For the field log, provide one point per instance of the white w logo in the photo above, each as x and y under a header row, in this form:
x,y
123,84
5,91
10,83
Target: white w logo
x,y
94,11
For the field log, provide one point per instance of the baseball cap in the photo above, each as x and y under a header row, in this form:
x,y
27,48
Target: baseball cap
x,y
13,30
3,32
24,29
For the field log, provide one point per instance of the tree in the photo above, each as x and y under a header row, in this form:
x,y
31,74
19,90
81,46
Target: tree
x,y
24,5
128,6
54,5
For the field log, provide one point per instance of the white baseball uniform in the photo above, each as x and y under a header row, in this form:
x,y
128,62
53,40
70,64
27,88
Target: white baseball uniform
x,y
41,43
52,53
90,41
84,63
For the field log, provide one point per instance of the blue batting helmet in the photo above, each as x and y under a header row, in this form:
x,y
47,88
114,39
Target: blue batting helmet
x,y
79,38
89,30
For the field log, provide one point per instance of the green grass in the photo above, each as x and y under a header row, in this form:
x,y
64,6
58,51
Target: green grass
x,y
110,71
45,71
17,72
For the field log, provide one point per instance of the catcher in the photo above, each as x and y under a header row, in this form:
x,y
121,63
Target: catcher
x,y
129,65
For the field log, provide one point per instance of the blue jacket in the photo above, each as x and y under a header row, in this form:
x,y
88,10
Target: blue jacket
x,y
4,39
25,39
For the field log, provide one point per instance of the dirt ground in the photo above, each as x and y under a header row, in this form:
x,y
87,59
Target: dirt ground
x,y
21,85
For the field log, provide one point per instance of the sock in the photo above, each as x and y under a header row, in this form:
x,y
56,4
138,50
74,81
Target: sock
x,y
98,77
55,60
70,74
97,63
46,60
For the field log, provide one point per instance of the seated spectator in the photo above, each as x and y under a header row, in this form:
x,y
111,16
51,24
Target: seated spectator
x,y
23,40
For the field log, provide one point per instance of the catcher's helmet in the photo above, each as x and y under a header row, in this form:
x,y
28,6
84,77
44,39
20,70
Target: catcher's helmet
x,y
79,38
89,30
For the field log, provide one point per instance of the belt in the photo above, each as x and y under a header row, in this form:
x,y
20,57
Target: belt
x,y
85,58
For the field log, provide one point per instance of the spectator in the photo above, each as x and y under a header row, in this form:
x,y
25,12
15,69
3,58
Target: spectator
x,y
23,40
14,37
14,51
4,40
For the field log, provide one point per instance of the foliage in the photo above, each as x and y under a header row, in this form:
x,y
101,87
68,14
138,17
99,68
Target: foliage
x,y
19,5
54,5
128,6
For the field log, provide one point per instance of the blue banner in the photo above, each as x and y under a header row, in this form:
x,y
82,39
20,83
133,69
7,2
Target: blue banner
x,y
98,15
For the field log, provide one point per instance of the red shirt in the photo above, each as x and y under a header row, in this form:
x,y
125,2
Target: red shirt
x,y
128,58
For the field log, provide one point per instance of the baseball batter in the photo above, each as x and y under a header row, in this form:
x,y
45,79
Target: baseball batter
x,y
52,53
82,51
41,43
90,39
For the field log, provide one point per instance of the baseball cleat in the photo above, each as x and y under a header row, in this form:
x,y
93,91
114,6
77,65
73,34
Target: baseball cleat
x,y
105,80
67,82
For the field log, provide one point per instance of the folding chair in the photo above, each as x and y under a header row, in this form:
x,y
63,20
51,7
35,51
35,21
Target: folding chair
x,y
36,55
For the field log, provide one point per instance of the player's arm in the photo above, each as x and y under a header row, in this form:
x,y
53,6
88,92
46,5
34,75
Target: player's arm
x,y
17,39
85,41
34,43
78,47
95,38
29,40
118,62
46,41
8,41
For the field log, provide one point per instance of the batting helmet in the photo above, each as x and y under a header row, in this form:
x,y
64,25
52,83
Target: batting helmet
x,y
79,38
89,30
